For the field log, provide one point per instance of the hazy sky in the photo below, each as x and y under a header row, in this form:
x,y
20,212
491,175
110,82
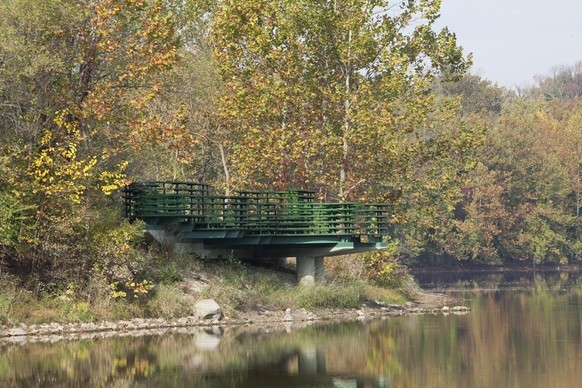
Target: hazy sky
x,y
512,40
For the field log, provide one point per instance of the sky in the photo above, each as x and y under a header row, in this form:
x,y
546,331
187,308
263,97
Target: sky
x,y
513,40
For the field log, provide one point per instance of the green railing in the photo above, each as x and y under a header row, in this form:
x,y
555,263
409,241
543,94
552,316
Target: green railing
x,y
292,212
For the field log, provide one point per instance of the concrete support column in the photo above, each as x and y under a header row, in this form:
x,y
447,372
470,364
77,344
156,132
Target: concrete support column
x,y
319,270
311,361
321,362
308,361
310,270
306,271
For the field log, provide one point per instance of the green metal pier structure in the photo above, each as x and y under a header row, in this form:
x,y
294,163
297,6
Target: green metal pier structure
x,y
188,217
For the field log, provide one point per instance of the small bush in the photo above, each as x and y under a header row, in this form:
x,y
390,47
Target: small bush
x,y
240,287
11,219
168,267
5,301
117,249
69,309
345,267
335,295
8,295
381,268
384,295
171,302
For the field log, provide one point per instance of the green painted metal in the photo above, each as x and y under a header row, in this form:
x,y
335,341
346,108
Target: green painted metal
x,y
292,213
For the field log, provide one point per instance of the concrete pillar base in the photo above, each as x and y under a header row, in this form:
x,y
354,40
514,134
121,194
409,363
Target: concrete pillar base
x,y
310,270
306,271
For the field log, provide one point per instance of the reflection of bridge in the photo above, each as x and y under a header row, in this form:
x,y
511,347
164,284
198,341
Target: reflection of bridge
x,y
277,360
305,366
252,224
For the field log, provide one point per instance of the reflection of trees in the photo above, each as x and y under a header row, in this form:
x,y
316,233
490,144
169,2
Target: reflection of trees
x,y
529,338
83,363
487,280
516,338
168,360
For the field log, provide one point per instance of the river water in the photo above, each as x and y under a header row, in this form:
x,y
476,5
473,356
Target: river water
x,y
524,330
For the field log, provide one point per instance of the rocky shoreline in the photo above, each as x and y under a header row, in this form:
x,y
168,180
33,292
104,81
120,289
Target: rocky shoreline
x,y
54,332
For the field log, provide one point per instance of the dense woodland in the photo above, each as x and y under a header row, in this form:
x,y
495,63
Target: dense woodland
x,y
360,100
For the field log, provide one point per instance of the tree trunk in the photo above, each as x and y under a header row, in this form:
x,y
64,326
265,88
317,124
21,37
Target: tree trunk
x,y
225,168
347,128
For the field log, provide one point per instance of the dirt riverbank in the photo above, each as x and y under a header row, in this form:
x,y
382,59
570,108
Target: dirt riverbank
x,y
424,303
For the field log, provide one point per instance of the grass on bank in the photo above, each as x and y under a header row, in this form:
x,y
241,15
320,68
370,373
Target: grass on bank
x,y
236,286
242,288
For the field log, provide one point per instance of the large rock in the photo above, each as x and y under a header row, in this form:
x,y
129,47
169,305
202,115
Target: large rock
x,y
16,331
208,309
207,340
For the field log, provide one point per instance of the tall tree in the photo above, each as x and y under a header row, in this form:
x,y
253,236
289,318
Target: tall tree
x,y
77,89
330,94
564,82
193,88
78,84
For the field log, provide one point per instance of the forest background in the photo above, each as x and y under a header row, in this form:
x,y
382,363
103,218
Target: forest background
x,y
359,100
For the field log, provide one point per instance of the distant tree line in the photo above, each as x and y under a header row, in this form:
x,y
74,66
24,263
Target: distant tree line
x,y
521,202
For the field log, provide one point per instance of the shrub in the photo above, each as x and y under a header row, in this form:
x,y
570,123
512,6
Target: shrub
x,y
117,251
7,291
10,218
334,295
170,302
382,268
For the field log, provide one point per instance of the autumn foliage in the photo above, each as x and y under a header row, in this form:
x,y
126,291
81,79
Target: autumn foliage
x,y
359,100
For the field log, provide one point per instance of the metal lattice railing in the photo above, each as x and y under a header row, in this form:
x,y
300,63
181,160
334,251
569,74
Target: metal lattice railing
x,y
292,212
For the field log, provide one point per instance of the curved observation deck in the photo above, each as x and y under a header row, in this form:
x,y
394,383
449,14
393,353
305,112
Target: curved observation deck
x,y
254,224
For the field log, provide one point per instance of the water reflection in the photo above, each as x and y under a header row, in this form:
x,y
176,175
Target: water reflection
x,y
493,280
511,338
